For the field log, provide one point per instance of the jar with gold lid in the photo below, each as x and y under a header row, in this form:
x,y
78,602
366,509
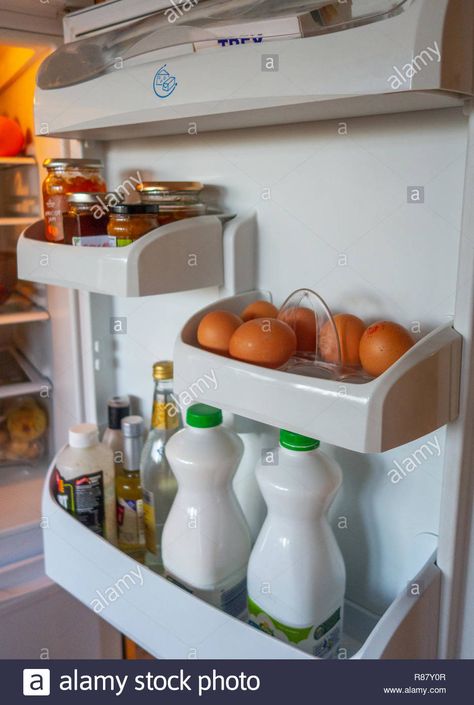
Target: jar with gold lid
x,y
177,199
66,176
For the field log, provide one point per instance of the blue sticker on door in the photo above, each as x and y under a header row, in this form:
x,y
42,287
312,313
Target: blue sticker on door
x,y
164,83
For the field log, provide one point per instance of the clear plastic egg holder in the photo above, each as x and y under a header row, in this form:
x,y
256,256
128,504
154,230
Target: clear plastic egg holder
x,y
319,355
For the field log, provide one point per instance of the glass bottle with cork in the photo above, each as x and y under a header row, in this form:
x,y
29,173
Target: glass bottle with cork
x,y
158,481
130,526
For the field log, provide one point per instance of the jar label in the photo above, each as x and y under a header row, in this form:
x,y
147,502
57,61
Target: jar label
x,y
321,641
83,497
149,519
130,524
54,207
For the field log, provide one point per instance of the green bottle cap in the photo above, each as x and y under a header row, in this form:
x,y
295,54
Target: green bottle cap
x,y
293,441
203,416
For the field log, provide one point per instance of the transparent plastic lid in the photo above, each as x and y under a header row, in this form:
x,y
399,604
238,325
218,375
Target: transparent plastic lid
x,y
91,57
318,352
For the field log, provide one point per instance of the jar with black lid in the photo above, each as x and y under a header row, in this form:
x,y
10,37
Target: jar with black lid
x,y
130,221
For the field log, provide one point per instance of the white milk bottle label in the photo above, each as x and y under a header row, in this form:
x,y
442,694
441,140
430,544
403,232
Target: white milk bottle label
x,y
231,599
321,640
296,575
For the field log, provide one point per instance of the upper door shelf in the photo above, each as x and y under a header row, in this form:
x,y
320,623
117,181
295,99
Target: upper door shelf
x,y
417,58
176,257
414,397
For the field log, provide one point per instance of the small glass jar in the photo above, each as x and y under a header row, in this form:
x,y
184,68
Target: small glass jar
x,y
177,199
128,222
67,176
87,216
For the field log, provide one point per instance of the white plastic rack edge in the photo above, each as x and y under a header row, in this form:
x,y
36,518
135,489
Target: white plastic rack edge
x,y
170,623
177,257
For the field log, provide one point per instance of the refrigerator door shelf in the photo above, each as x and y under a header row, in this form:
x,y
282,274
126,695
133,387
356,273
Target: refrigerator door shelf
x,y
415,396
418,59
180,256
168,622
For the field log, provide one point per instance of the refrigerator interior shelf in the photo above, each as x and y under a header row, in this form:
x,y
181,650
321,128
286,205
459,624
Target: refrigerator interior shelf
x,y
17,220
168,622
14,162
18,376
415,396
20,511
18,309
180,256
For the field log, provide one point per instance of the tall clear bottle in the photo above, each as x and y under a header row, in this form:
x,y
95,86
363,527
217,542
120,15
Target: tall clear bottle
x,y
158,482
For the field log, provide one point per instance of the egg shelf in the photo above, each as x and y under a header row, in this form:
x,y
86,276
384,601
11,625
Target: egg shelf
x,y
415,396
177,257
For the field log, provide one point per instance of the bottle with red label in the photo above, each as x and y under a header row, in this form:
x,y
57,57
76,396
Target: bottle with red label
x,y
85,481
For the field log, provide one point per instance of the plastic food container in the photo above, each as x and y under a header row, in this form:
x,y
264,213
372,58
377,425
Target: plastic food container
x,y
23,430
177,199
67,176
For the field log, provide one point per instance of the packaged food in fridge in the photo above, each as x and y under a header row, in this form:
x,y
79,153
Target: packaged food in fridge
x,y
65,176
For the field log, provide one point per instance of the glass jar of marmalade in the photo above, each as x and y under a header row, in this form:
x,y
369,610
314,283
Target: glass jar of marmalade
x,y
177,199
87,217
67,176
128,222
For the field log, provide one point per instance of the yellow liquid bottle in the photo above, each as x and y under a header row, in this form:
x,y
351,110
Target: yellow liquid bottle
x,y
130,522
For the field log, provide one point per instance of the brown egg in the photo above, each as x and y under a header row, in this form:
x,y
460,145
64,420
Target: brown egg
x,y
349,330
303,322
382,344
216,329
263,341
259,309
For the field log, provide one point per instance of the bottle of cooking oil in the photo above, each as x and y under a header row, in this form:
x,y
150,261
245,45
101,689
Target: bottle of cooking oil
x,y
130,524
158,481
117,409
